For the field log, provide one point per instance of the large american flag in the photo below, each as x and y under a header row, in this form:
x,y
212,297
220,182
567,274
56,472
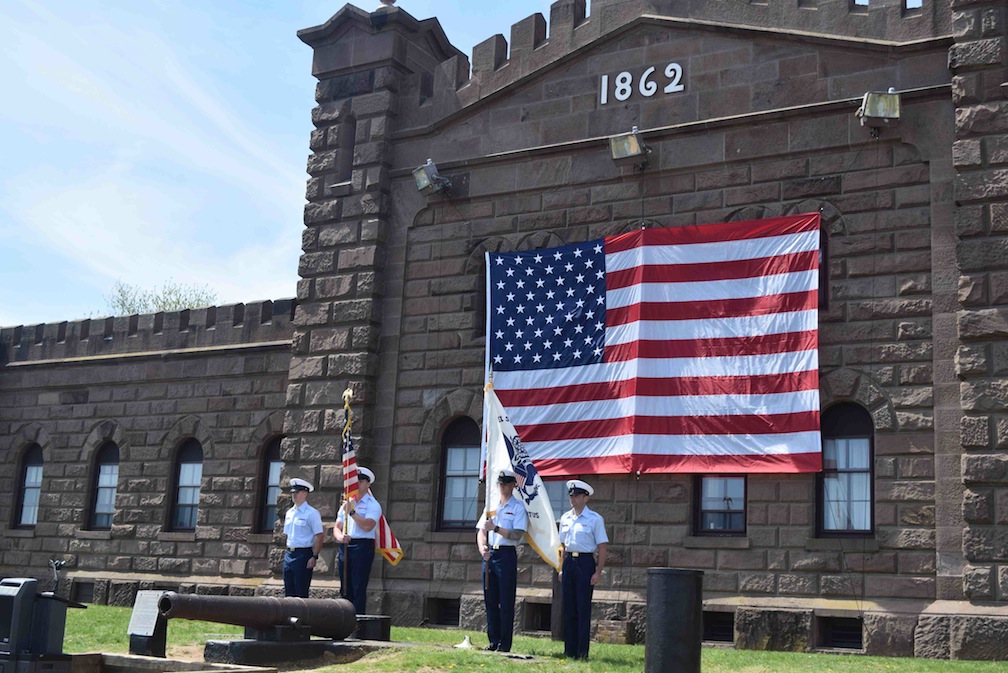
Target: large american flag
x,y
688,349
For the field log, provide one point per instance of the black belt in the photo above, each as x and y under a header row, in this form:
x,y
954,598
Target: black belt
x,y
294,549
361,540
504,547
579,554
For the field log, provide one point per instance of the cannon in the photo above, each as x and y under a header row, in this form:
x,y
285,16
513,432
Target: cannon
x,y
326,618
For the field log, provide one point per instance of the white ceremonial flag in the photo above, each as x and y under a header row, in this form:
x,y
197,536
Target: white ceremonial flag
x,y
505,450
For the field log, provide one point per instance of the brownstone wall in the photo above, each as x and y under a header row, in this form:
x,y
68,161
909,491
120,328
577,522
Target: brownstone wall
x,y
216,374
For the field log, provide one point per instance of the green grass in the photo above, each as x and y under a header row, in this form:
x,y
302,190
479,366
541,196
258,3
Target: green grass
x,y
102,628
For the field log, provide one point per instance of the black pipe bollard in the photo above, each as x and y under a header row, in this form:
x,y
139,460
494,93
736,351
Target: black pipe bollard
x,y
674,620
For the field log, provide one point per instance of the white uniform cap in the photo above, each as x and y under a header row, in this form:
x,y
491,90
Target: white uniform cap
x,y
506,476
366,473
576,485
300,485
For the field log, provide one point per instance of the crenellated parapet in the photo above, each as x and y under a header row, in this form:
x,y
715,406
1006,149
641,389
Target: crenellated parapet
x,y
213,326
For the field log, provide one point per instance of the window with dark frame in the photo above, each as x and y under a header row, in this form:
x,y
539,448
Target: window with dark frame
x,y
104,485
845,487
188,477
720,505
460,477
272,465
30,493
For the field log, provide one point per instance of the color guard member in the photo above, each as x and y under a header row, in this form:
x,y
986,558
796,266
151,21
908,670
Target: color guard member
x,y
362,515
303,528
582,534
497,542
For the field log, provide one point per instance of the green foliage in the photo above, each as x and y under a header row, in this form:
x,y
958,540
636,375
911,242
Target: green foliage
x,y
172,296
103,629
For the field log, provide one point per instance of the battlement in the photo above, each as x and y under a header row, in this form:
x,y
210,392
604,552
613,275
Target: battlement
x,y
498,62
229,325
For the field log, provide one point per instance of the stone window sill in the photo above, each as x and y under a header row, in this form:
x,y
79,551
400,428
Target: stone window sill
x,y
260,538
21,532
340,189
850,544
715,542
181,536
84,534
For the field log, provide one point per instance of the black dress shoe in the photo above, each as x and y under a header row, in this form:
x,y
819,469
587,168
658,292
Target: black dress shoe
x,y
490,648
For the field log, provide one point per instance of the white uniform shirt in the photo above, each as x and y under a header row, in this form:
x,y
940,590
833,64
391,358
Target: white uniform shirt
x,y
301,525
510,515
369,508
584,533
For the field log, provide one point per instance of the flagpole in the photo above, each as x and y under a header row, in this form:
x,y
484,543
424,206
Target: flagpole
x,y
348,416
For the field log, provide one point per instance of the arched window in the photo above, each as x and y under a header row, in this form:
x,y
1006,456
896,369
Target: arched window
x,y
846,485
188,475
106,479
460,477
271,484
30,492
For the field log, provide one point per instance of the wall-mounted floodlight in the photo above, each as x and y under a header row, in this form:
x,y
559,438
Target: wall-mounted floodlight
x,y
629,148
879,109
428,181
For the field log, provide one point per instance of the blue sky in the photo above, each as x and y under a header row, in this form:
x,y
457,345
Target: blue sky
x,y
165,139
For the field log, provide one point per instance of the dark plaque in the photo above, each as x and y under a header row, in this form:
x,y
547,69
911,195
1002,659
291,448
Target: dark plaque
x,y
145,616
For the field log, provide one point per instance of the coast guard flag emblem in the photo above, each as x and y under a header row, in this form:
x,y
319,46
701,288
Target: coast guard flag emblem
x,y
687,349
504,450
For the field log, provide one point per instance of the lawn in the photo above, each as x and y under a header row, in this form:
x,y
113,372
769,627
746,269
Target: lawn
x,y
102,628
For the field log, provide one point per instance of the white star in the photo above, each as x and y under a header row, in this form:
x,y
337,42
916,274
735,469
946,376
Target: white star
x,y
500,285
500,309
568,267
529,271
590,289
508,346
570,292
599,326
589,263
549,320
577,252
547,344
539,307
510,322
498,359
550,294
529,296
589,315
538,333
560,280
517,359
579,278
510,272
598,352
600,274
588,340
518,260
528,345
579,303
500,260
510,296
540,282
520,284
556,356
536,358
529,320
598,248
518,334
578,329
548,269
499,334
568,343
557,255
559,306
537,259
521,308
558,330
577,355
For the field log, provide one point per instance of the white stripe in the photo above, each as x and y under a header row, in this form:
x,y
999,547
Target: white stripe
x,y
748,365
718,251
662,407
713,290
713,328
677,445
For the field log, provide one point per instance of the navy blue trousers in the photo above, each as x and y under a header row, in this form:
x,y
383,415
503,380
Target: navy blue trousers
x,y
577,602
500,584
357,573
296,574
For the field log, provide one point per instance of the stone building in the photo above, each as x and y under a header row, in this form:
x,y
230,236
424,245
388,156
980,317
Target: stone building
x,y
749,111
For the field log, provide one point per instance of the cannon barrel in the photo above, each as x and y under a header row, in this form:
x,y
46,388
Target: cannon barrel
x,y
327,618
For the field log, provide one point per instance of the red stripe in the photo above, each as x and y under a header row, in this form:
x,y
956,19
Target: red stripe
x,y
733,464
706,271
788,342
714,233
715,308
767,424
671,387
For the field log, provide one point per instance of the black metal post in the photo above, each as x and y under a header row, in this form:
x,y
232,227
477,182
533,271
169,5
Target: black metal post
x,y
674,620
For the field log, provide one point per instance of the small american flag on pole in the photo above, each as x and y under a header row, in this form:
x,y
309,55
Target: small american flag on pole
x,y
687,349
386,543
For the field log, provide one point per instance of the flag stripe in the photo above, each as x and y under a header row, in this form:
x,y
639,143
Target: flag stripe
x,y
742,326
714,233
763,424
807,260
695,464
755,345
662,387
704,309
782,444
